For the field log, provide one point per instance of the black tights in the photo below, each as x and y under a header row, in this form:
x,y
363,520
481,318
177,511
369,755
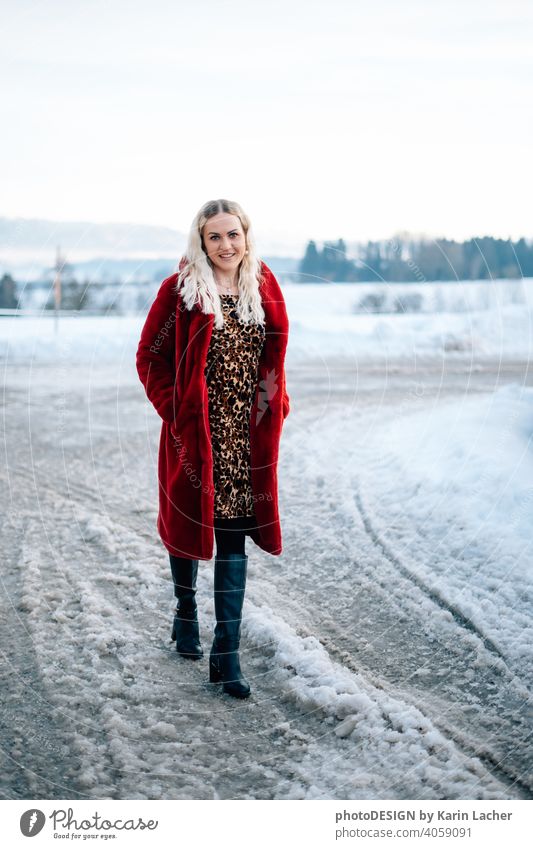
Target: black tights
x,y
230,534
229,541
230,538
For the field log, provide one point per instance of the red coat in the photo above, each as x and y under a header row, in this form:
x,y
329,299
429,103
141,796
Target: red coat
x,y
171,359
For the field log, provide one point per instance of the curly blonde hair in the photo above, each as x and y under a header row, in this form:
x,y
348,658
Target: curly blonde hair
x,y
196,281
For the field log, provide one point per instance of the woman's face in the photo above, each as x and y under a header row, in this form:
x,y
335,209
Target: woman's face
x,y
224,241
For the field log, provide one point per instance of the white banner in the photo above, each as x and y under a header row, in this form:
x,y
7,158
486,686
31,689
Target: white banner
x,y
283,824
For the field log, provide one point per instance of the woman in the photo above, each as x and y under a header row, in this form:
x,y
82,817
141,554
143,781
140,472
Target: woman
x,y
212,361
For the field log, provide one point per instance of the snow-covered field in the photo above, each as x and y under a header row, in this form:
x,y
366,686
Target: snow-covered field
x,y
388,647
483,319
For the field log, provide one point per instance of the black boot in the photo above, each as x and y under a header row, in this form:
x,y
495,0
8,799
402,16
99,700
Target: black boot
x,y
230,585
185,630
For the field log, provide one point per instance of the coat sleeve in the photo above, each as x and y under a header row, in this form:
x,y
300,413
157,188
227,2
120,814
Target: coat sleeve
x,y
156,351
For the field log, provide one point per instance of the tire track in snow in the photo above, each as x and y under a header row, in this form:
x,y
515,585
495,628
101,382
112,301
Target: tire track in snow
x,y
72,491
523,781
33,734
309,734
509,765
308,626
111,720
368,721
461,620
59,622
105,741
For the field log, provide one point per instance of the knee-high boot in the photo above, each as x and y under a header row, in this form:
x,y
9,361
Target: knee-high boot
x,y
230,585
185,629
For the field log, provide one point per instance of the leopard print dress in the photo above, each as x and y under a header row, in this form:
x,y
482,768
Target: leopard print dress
x,y
231,373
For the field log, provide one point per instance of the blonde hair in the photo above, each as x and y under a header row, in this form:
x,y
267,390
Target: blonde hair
x,y
196,281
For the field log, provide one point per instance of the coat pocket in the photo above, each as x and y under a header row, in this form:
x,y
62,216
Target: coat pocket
x,y
186,411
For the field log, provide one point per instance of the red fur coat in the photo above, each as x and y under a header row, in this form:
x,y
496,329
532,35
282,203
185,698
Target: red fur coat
x,y
171,358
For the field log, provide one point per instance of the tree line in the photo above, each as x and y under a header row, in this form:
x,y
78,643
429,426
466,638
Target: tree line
x,y
405,259
399,259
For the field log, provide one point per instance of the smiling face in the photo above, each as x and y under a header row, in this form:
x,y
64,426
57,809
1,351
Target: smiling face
x,y
224,241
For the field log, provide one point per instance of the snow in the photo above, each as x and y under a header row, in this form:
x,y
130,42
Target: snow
x,y
480,451
388,648
484,319
388,735
453,500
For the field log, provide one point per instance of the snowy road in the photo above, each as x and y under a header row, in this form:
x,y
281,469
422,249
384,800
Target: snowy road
x,y
388,648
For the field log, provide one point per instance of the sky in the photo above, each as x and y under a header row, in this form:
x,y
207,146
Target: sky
x,y
353,119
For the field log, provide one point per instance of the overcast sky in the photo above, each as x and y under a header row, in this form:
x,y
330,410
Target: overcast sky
x,y
351,119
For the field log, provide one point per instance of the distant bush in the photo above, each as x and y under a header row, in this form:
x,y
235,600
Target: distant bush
x,y
372,303
411,302
376,302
